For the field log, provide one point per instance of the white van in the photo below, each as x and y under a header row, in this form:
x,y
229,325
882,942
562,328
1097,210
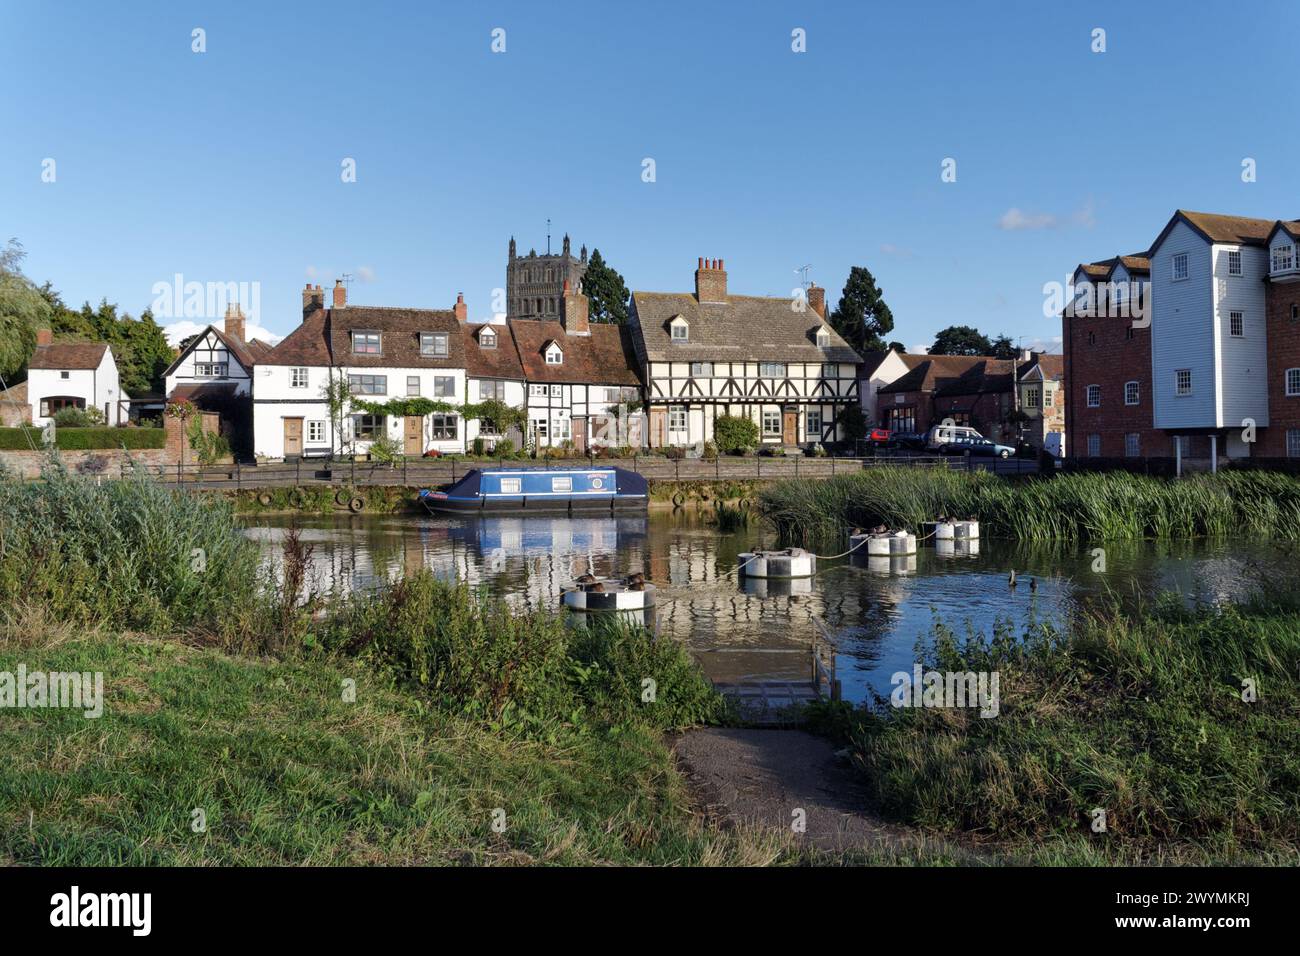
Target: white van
x,y
950,435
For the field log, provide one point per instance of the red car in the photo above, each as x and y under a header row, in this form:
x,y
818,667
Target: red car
x,y
881,436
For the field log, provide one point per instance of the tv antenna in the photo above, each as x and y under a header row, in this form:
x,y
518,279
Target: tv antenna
x,y
802,272
347,280
548,237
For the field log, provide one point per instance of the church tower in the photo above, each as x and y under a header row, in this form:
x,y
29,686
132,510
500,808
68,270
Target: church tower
x,y
535,283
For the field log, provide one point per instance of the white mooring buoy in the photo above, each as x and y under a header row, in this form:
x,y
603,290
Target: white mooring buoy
x,y
609,594
790,563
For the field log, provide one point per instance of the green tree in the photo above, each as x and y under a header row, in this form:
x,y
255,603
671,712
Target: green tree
x,y
606,292
733,434
22,311
961,340
898,347
862,318
1003,348
139,346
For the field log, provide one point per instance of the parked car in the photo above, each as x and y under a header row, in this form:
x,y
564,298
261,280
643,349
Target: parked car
x,y
979,446
912,440
879,436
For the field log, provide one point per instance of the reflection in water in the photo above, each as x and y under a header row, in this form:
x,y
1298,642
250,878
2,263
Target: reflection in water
x,y
879,609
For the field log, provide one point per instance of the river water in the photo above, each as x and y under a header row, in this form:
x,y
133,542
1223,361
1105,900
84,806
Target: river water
x,y
745,629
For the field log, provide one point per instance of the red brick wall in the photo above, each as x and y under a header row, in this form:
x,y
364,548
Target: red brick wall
x,y
1283,353
1109,359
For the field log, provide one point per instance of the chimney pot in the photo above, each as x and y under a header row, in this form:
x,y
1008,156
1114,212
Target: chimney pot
x,y
234,322
340,294
574,316
44,336
461,309
710,281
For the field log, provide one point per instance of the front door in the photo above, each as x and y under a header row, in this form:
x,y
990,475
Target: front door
x,y
414,432
658,427
580,435
292,437
790,428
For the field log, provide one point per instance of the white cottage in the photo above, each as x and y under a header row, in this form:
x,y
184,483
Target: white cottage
x,y
73,375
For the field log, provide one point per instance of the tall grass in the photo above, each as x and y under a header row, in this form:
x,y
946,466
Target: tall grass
x,y
1072,508
127,554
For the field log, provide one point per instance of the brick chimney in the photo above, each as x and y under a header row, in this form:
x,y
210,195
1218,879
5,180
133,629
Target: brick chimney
x,y
573,311
340,294
711,281
235,322
44,336
817,299
460,308
312,299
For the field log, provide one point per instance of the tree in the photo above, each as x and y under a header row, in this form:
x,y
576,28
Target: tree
x,y
22,311
862,318
139,346
734,435
607,294
961,340
1004,348
898,347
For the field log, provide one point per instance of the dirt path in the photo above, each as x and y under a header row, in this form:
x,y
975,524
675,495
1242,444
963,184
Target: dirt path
x,y
764,776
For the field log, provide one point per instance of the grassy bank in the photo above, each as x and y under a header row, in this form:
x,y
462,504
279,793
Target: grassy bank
x,y
1072,508
1143,718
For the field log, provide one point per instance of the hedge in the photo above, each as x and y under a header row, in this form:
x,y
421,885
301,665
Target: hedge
x,y
84,439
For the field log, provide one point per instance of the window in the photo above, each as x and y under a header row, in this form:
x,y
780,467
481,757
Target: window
x,y
701,370
537,391
1132,445
1132,393
1180,267
203,370
1292,382
1031,396
823,338
433,344
540,427
557,391
1094,396
677,418
771,422
367,427
1183,381
297,378
902,419
680,331
413,385
368,384
367,343
315,431
444,386
1283,258
560,428
487,339
830,370
562,483
1293,442
494,391
1094,446
65,375
1236,324
1234,262
442,427
554,356
511,486
771,369
813,424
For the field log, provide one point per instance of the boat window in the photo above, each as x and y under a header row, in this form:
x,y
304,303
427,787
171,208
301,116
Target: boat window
x,y
562,484
510,486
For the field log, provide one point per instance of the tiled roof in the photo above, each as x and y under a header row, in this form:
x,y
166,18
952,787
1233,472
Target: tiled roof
x,y
994,375
1229,228
744,328
198,391
928,371
500,362
308,344
605,357
242,351
400,330
258,349
68,355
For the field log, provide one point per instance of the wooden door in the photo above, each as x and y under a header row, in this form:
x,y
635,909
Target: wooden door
x,y
658,427
580,435
414,434
790,428
292,437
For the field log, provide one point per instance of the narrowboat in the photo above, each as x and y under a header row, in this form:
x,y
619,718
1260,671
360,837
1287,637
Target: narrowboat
x,y
542,490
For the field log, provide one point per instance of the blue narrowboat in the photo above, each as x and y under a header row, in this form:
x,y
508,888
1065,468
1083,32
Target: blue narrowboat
x,y
542,490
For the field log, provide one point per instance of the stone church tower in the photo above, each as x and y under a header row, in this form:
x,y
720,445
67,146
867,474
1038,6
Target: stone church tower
x,y
535,284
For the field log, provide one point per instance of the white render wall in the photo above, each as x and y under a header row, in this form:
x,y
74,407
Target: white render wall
x,y
99,388
514,397
1183,332
557,404
1242,360
184,372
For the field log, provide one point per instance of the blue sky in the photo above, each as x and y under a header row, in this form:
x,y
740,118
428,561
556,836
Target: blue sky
x,y
225,166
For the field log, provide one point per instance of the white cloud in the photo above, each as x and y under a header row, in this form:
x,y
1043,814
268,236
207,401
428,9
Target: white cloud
x,y
922,349
179,331
1014,219
365,273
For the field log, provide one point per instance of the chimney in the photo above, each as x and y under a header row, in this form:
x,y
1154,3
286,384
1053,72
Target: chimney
x,y
573,312
44,337
340,294
711,281
235,322
461,309
817,299
312,299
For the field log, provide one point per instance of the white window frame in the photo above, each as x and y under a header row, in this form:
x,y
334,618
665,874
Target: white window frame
x,y
1094,394
1132,393
487,339
554,356
1234,262
561,483
378,381
678,419
1237,330
298,377
557,391
766,369
772,432
812,424
412,386
823,338
679,330
1179,391
511,486
1291,383
1094,445
701,370
537,391
1180,259
1283,258
1293,442
444,386
315,432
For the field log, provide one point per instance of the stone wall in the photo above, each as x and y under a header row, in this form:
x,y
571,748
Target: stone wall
x,y
108,461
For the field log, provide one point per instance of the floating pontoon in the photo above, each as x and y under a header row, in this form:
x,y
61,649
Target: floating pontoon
x,y
790,563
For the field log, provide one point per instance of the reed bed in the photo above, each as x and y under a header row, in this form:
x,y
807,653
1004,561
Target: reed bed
x,y
1067,508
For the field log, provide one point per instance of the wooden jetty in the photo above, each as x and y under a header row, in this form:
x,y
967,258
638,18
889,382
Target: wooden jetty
x,y
776,703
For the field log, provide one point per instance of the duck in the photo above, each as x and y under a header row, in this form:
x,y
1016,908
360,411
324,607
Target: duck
x,y
880,529
636,580
1033,584
586,579
597,586
1011,579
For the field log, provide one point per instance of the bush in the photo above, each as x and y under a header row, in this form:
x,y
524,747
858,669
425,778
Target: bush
x,y
710,451
853,423
505,448
84,439
734,435
71,417
477,447
386,449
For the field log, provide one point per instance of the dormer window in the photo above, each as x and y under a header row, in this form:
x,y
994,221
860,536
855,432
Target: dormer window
x,y
1283,258
823,338
433,344
553,355
487,339
367,343
680,329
